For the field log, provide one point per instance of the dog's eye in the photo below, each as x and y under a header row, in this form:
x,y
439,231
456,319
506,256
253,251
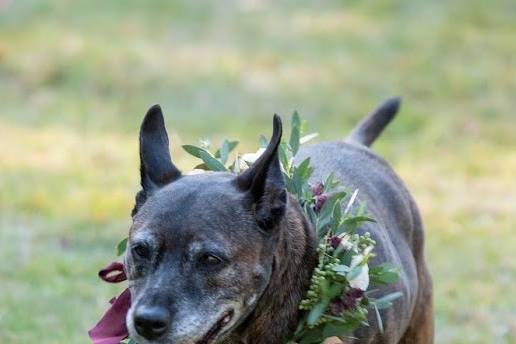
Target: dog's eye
x,y
209,260
141,250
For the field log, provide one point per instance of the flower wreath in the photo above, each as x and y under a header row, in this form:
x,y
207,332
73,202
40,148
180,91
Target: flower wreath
x,y
338,299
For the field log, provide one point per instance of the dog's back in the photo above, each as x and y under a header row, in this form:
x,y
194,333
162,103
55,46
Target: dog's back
x,y
398,230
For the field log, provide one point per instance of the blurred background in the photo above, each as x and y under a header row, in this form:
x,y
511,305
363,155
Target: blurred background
x,y
77,76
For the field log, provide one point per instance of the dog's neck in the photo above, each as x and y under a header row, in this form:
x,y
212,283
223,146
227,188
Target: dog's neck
x,y
277,313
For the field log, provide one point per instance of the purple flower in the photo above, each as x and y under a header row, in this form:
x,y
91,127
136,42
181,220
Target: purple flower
x,y
319,202
347,301
335,241
317,189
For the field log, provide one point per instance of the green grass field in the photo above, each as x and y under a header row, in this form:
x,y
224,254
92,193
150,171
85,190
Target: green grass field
x,y
77,76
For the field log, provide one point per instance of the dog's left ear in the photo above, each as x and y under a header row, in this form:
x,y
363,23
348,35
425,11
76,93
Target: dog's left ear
x,y
264,183
156,167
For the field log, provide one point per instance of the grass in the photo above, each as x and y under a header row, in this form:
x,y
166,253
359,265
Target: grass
x,y
76,78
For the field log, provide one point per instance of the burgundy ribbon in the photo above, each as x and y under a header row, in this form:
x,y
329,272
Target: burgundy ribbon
x,y
111,329
113,273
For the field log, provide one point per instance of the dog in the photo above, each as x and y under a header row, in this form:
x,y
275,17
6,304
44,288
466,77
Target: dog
x,y
225,258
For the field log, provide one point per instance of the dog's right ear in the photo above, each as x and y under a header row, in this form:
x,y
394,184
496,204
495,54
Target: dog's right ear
x,y
264,184
156,167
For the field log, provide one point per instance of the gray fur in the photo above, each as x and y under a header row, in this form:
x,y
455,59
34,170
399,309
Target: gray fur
x,y
366,132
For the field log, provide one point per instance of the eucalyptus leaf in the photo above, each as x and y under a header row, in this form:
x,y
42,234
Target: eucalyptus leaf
x,y
385,273
194,150
201,167
325,215
300,177
386,301
333,290
316,313
337,329
226,148
351,223
341,268
284,156
295,133
361,208
305,170
330,183
378,318
211,162
223,152
263,142
121,247
308,138
312,336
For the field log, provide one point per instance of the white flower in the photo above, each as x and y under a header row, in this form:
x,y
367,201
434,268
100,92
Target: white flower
x,y
252,157
345,243
196,171
367,250
361,281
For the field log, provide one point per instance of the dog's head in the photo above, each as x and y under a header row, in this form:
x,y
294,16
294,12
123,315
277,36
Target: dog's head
x,y
200,251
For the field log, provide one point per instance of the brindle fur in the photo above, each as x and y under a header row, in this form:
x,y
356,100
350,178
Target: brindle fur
x,y
272,244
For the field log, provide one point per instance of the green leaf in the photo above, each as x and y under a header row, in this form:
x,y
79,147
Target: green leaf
x,y
385,273
311,213
226,148
263,142
386,277
326,213
300,177
121,247
194,150
284,157
337,328
223,152
378,318
330,183
304,170
308,138
211,162
386,301
327,209
316,313
336,218
341,268
361,208
333,290
201,167
351,223
311,336
295,133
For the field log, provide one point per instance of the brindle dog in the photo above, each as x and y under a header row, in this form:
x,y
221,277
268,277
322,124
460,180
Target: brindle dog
x,y
221,258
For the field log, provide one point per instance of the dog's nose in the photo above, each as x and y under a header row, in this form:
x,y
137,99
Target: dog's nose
x,y
151,322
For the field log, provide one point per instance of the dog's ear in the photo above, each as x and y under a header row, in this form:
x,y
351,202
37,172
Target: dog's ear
x,y
264,184
156,167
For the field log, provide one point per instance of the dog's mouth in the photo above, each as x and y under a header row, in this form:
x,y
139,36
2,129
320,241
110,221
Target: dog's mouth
x,y
216,329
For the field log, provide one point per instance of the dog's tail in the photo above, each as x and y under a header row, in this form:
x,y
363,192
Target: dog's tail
x,y
366,132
